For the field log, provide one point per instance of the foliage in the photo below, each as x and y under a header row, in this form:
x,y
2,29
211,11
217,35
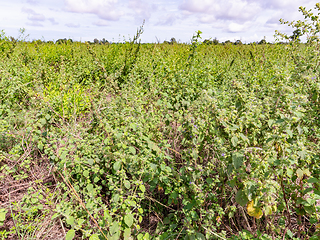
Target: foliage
x,y
160,141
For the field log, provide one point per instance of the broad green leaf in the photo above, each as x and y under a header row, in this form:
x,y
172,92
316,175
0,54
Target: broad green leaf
x,y
313,180
302,154
128,219
90,188
132,150
70,234
70,220
270,122
117,165
86,173
94,237
127,233
114,228
234,127
142,188
289,132
90,161
237,160
241,198
127,184
234,141
3,213
289,233
200,236
289,172
267,210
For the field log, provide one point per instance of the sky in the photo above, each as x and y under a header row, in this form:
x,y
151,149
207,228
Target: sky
x,y
118,20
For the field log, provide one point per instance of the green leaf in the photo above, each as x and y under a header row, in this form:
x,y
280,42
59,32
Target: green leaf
x,y
128,219
316,192
3,213
90,188
94,237
241,198
142,188
127,184
70,220
127,233
114,230
90,161
237,160
234,141
117,165
132,150
234,127
270,122
70,235
289,132
289,233
86,173
289,172
312,180
200,236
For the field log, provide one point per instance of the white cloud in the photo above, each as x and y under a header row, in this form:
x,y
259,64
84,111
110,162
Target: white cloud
x,y
34,17
168,20
33,2
105,9
226,10
53,21
235,27
101,23
72,25
140,9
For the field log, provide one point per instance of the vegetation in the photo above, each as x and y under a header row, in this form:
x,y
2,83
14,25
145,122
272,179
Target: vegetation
x,y
160,141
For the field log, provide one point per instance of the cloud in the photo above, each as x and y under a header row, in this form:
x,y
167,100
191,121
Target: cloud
x,y
225,10
35,24
34,17
53,21
168,20
33,2
101,23
237,10
235,27
104,9
72,25
142,10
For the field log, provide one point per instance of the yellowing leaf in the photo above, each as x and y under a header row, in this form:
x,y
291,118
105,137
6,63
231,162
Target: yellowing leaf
x,y
254,211
306,172
299,173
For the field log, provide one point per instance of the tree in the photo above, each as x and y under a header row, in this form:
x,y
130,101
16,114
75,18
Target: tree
x,y
215,41
96,41
238,42
296,35
104,41
173,41
262,41
61,41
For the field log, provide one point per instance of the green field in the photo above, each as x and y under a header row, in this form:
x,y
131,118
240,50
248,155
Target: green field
x,y
159,141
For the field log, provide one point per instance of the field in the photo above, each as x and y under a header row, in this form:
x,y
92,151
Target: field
x,y
159,141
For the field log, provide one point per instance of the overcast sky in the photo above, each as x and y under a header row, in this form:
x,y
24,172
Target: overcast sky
x,y
118,20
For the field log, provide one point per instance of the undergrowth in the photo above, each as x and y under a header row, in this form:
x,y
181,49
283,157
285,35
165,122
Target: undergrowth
x,y
158,141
